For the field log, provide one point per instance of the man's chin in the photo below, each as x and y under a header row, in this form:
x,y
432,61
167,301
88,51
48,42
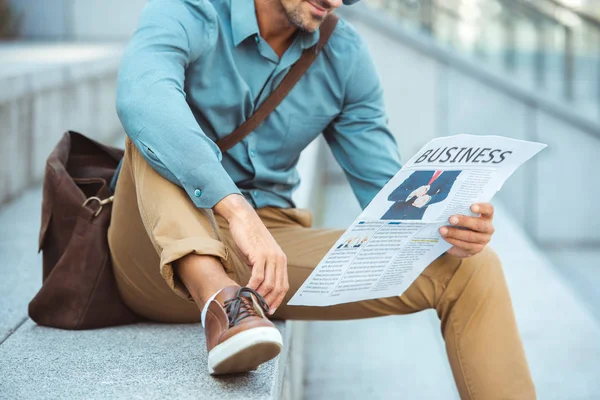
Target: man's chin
x,y
305,22
311,27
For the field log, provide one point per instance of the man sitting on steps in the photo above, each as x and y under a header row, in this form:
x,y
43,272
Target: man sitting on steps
x,y
199,233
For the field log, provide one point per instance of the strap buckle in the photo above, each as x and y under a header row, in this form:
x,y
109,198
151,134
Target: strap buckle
x,y
101,203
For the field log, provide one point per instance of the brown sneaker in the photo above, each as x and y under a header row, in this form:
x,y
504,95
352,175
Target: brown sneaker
x,y
239,337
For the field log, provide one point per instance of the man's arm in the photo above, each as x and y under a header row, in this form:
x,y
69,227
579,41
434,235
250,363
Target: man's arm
x,y
359,137
151,101
367,151
153,110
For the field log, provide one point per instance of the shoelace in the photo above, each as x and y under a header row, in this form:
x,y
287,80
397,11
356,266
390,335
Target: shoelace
x,y
241,306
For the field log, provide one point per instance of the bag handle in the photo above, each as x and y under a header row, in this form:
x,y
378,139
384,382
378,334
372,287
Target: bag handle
x,y
101,203
275,98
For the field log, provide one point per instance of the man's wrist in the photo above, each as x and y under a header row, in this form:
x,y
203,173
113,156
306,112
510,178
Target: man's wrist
x,y
231,206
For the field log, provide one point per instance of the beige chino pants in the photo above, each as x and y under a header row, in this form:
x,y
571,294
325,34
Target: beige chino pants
x,y
154,224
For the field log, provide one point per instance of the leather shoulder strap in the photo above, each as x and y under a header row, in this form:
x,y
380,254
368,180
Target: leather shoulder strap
x,y
293,76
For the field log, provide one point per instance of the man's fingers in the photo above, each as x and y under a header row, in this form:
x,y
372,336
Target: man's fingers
x,y
470,235
282,283
266,289
458,252
476,224
277,301
470,248
485,209
258,275
465,235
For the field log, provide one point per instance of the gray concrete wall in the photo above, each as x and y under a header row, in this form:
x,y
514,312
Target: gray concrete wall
x,y
41,99
554,195
48,19
84,20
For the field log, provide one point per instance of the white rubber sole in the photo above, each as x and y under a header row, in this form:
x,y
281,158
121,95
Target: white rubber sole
x,y
245,351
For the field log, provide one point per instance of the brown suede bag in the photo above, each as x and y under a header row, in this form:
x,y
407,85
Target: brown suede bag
x,y
79,289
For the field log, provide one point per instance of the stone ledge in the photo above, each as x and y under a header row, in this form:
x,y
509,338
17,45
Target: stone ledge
x,y
146,361
28,67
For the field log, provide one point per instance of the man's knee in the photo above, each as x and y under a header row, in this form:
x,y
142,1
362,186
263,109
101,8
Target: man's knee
x,y
482,274
476,284
488,263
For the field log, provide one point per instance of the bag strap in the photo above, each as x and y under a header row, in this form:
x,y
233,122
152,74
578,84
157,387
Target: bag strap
x,y
293,76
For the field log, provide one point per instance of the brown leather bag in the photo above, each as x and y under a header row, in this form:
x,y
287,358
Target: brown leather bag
x,y
79,289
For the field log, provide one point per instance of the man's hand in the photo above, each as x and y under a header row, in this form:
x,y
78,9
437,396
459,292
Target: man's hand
x,y
470,235
258,249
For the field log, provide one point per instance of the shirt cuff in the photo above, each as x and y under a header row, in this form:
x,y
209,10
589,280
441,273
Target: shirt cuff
x,y
216,185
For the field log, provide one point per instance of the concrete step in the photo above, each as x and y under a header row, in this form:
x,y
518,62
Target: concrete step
x,y
560,333
142,361
382,358
20,264
146,361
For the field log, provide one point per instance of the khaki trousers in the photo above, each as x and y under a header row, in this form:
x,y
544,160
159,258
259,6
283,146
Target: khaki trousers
x,y
154,224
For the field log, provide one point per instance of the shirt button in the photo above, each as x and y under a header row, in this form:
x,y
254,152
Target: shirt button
x,y
252,153
256,193
256,38
197,192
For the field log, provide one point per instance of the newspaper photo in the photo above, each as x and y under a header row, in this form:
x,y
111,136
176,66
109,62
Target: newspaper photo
x,y
397,236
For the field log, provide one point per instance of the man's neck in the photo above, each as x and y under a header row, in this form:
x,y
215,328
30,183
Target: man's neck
x,y
274,25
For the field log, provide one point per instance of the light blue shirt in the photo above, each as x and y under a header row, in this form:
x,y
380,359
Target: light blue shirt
x,y
197,69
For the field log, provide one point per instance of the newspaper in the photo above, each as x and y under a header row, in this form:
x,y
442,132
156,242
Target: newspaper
x,y
397,236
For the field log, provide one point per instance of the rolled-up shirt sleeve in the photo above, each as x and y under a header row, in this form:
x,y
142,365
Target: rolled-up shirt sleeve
x,y
359,137
151,101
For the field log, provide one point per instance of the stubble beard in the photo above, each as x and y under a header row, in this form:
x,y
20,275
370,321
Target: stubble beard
x,y
297,18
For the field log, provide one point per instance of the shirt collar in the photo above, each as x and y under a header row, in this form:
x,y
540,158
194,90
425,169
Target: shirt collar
x,y
243,20
244,24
